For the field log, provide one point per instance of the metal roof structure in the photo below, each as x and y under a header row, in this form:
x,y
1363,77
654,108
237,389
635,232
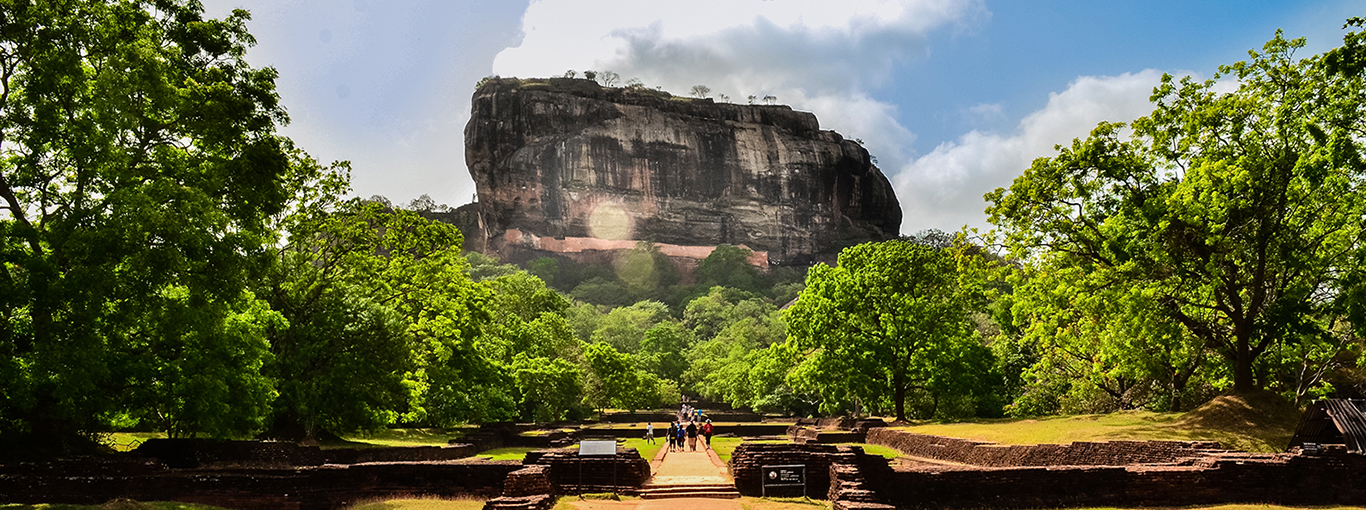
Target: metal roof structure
x,y
1333,421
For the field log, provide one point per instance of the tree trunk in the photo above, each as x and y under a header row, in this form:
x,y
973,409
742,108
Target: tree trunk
x,y
1243,379
899,390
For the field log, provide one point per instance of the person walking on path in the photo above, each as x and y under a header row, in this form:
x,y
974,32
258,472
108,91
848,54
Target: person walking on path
x,y
650,433
673,435
692,436
679,437
707,430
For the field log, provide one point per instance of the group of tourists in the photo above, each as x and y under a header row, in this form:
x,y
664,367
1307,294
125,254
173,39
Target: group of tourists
x,y
683,436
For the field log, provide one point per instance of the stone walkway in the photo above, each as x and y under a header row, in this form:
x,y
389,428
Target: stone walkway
x,y
683,468
688,468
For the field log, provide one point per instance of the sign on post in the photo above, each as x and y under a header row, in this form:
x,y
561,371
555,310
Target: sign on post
x,y
790,475
598,448
587,448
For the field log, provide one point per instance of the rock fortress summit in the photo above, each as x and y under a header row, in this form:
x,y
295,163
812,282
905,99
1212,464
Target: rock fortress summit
x,y
569,167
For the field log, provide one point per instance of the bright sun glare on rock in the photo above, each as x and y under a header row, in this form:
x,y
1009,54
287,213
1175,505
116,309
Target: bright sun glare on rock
x,y
609,221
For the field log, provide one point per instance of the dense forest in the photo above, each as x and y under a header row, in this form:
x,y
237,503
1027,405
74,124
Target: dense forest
x,y
170,262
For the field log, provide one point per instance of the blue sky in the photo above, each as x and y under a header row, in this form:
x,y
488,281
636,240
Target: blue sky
x,y
954,97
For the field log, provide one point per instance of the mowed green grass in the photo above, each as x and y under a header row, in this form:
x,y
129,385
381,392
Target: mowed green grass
x,y
1128,425
125,441
509,453
724,446
405,437
647,450
877,449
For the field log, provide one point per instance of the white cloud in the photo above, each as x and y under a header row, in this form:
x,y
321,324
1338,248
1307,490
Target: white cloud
x,y
987,112
814,55
943,189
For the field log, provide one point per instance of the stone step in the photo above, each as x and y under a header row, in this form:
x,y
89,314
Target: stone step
x,y
717,486
720,491
732,494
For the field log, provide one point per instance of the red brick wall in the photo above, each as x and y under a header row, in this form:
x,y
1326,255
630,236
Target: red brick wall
x,y
1231,478
303,488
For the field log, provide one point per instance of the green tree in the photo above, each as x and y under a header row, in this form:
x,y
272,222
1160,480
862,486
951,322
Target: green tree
x,y
746,365
1237,215
548,389
545,268
707,315
728,266
891,319
199,365
611,376
624,328
384,320
645,270
483,267
138,159
602,291
661,352
1107,349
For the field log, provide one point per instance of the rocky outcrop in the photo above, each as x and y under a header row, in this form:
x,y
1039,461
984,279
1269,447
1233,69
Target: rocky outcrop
x,y
565,162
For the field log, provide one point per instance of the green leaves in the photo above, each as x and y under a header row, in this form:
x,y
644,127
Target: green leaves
x,y
1227,218
890,321
139,167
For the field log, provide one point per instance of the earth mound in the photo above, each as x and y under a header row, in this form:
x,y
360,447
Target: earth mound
x,y
1261,413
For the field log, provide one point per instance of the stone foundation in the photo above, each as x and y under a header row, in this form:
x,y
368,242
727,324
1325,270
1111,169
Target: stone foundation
x,y
748,460
1280,479
91,482
570,473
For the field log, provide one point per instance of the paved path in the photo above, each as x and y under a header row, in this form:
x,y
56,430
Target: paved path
x,y
688,467
676,468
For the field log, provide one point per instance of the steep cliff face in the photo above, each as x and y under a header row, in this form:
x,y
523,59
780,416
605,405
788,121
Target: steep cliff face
x,y
565,158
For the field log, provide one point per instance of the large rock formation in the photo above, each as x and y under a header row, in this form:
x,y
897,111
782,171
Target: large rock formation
x,y
564,164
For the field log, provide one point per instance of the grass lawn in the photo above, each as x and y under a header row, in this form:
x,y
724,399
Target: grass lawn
x,y
1129,425
403,437
875,449
127,441
647,451
509,453
1257,422
724,446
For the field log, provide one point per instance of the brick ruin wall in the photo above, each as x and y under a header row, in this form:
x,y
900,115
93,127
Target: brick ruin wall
x,y
90,482
528,488
1281,479
574,474
748,460
981,453
1122,473
250,475
198,453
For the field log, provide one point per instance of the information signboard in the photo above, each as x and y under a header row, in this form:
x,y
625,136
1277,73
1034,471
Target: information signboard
x,y
789,475
587,448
